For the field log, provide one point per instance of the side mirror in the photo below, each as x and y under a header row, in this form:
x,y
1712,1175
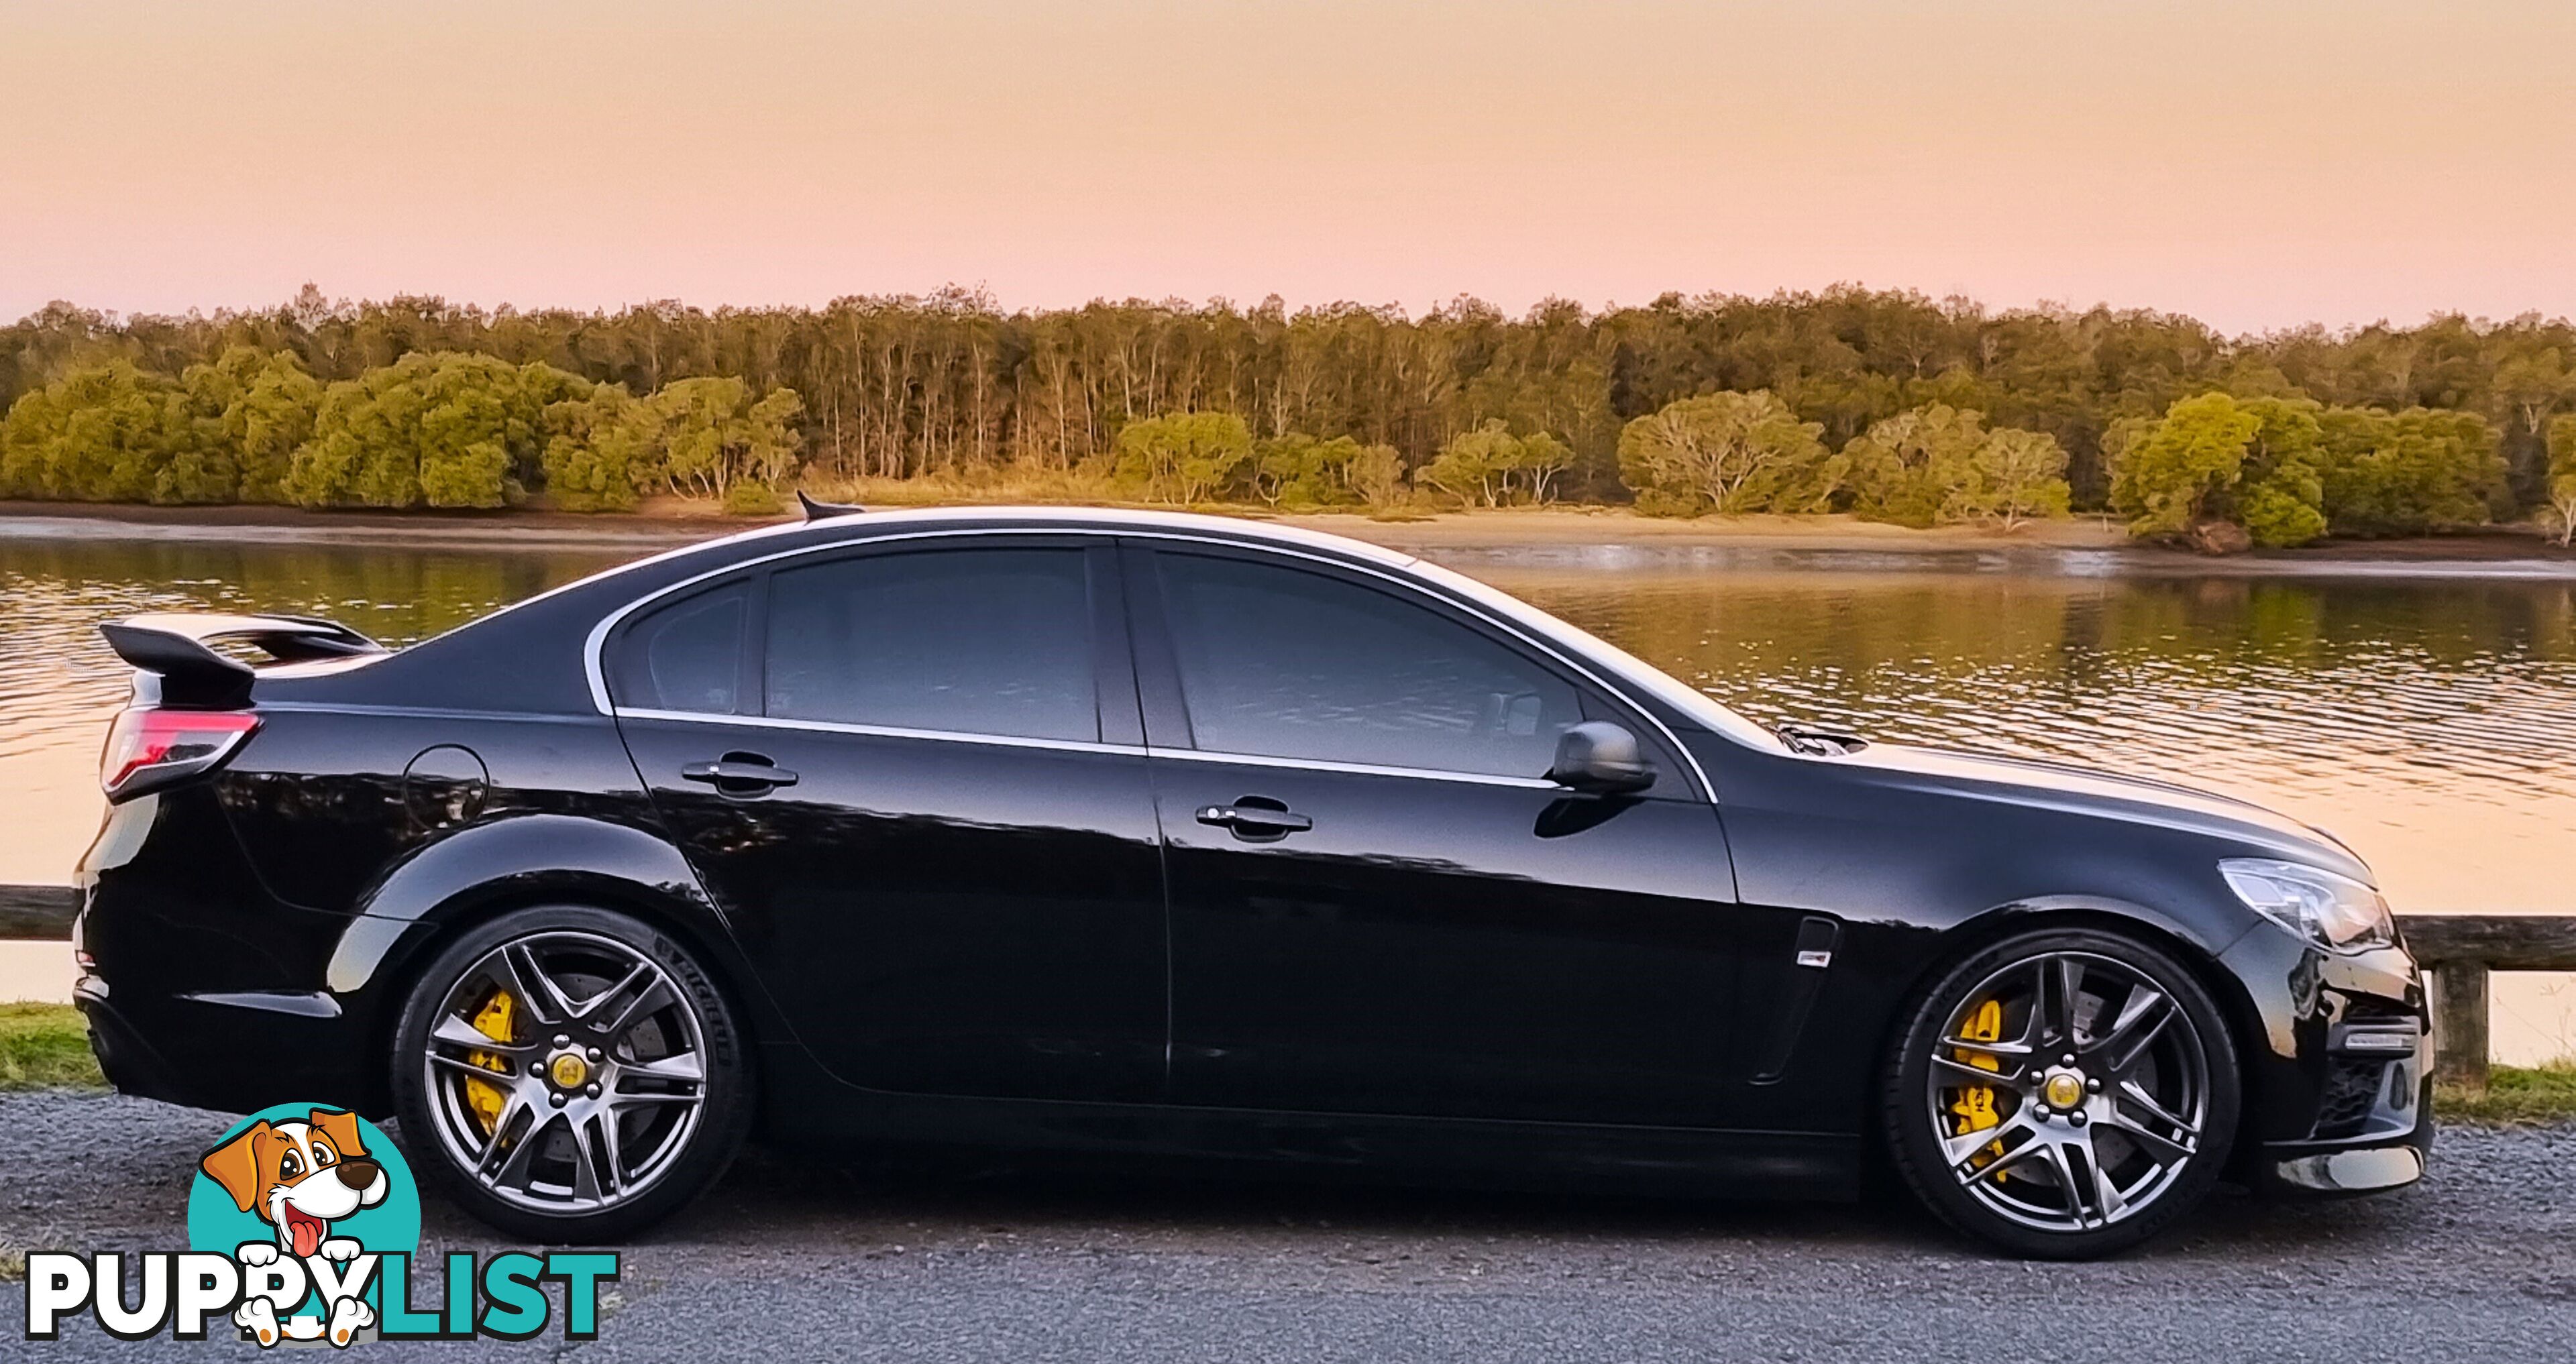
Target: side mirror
x,y
1600,757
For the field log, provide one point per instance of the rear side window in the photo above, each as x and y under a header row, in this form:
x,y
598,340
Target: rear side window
x,y
1281,663
971,641
686,656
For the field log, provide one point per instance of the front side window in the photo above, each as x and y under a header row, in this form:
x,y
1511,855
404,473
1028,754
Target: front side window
x,y
969,641
1278,662
686,656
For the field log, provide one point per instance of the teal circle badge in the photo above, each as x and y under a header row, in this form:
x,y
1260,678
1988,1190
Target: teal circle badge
x,y
301,1181
298,1174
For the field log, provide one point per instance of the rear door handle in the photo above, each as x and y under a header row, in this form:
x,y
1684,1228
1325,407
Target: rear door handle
x,y
739,774
1252,821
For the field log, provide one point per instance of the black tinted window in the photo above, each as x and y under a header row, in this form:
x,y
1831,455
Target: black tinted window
x,y
685,656
1289,664
984,641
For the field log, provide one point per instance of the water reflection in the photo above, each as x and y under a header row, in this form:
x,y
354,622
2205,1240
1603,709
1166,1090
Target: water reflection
x,y
59,683
2432,724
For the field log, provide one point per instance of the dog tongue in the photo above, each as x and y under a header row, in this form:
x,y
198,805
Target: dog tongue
x,y
307,1234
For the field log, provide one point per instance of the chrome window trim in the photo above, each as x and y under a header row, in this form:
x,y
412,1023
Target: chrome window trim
x,y
699,717
1200,755
1086,746
598,638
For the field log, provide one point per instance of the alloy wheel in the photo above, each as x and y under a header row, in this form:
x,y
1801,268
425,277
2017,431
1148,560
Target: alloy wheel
x,y
565,1072
2068,1092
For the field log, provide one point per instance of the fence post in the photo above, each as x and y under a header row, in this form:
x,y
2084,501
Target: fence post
x,y
2460,1024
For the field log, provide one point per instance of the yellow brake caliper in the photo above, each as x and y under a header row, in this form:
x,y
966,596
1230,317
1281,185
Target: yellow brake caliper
x,y
483,1097
1975,1104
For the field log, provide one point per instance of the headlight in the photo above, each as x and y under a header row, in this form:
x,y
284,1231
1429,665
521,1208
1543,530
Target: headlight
x,y
2329,910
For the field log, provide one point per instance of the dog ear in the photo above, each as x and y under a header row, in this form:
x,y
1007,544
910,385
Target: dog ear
x,y
342,1129
235,1165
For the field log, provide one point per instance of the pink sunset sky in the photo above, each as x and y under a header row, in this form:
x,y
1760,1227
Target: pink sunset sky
x,y
2258,165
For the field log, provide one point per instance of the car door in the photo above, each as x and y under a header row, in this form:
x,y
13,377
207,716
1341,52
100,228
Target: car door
x,y
1379,904
911,775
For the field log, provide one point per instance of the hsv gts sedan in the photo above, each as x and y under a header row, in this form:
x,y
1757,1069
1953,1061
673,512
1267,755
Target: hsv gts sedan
x,y
1161,834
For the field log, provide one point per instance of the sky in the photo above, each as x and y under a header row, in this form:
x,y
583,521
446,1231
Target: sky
x,y
2257,164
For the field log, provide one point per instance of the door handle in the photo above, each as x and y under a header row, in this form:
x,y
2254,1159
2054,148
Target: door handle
x,y
739,774
1253,821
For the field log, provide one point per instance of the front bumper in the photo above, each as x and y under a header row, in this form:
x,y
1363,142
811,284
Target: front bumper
x,y
2376,1129
2368,1169
2338,1067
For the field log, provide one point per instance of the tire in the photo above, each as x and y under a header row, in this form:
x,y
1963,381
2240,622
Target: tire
x,y
2085,1159
612,1088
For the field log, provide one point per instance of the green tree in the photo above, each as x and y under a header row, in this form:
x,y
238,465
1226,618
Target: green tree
x,y
602,451
1298,470
109,433
2280,494
1491,467
1911,468
1543,460
701,433
1727,452
772,438
2529,387
2178,470
2013,477
432,429
1377,474
2401,473
262,404
714,440
1183,457
2562,476
2214,458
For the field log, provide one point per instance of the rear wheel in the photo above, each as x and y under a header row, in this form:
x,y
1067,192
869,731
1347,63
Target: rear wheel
x,y
2063,1094
570,1074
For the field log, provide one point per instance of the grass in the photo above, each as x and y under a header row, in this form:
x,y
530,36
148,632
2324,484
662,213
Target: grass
x,y
2514,1094
45,1046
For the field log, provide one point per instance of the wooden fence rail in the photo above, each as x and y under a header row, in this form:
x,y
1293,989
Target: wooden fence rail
x,y
2461,949
37,913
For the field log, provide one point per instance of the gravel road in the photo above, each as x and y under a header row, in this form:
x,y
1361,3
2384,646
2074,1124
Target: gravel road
x,y
789,1261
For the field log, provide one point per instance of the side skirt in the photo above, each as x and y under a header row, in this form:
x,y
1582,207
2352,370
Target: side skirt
x,y
816,1113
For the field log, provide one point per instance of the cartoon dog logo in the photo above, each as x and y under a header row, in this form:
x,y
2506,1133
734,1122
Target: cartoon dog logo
x,y
299,1177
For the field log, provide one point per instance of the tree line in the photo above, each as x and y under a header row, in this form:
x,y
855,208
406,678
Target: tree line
x,y
434,428
1923,410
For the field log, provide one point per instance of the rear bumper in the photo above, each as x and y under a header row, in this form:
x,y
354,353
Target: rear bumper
x,y
233,1054
131,1064
199,987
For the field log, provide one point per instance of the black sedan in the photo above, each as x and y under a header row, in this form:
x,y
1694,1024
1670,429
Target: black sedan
x,y
1171,835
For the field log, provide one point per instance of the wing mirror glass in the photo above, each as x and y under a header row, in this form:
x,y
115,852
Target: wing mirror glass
x,y
1601,757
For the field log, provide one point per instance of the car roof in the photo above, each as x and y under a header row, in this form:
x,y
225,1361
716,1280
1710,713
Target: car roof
x,y
1244,529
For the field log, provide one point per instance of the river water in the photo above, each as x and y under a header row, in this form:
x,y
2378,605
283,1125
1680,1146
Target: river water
x,y
2427,715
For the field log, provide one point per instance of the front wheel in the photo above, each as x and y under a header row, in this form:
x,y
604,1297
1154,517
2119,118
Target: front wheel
x,y
570,1074
2063,1094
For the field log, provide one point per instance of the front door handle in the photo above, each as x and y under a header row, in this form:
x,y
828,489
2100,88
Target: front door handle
x,y
1254,821
739,774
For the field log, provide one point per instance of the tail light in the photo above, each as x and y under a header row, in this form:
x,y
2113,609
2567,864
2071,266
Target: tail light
x,y
148,749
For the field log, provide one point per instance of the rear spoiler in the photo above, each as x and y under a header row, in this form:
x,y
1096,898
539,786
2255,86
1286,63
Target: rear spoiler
x,y
174,647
